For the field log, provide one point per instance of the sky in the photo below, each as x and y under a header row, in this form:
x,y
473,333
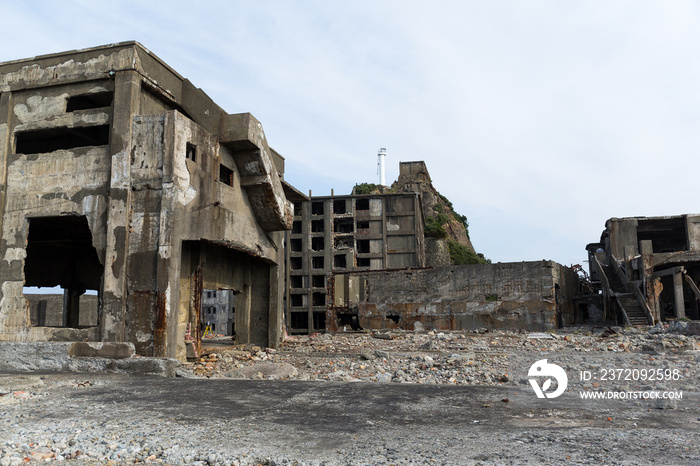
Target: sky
x,y
539,120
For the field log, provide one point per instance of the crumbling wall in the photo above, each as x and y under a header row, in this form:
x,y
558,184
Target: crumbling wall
x,y
504,295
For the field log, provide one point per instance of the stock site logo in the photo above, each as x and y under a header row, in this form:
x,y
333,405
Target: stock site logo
x,y
551,371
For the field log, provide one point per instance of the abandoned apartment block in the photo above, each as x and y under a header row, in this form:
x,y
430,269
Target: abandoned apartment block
x,y
132,191
647,269
343,233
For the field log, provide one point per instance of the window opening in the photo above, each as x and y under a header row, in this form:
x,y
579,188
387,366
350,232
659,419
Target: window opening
x,y
296,281
295,244
225,175
299,320
297,208
343,225
319,299
319,320
318,281
297,300
191,152
317,244
89,101
317,208
296,227
295,263
362,204
317,226
340,261
363,246
317,262
339,207
363,262
50,140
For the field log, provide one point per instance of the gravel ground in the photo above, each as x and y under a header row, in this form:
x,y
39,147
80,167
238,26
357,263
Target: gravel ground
x,y
417,398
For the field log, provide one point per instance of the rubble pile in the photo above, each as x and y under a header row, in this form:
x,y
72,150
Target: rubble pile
x,y
485,357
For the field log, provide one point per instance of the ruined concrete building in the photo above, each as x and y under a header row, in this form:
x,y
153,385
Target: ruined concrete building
x,y
341,233
648,268
117,175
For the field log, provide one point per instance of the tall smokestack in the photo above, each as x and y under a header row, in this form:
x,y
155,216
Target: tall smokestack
x,y
381,156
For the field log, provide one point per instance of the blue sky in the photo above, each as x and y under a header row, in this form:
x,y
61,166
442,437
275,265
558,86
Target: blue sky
x,y
539,120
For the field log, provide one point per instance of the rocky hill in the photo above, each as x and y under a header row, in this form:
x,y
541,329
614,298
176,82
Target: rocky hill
x,y
446,231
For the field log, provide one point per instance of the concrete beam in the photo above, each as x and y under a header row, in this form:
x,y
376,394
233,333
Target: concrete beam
x,y
243,135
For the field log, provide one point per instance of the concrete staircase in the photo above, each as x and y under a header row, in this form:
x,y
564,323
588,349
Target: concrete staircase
x,y
628,301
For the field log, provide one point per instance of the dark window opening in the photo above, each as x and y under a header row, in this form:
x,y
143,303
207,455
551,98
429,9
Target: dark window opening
x,y
317,226
297,208
296,227
339,207
296,281
319,299
317,262
344,242
50,140
349,320
297,300
225,175
60,254
340,261
317,244
666,235
362,204
295,263
318,281
394,318
89,101
295,244
299,320
363,262
317,208
363,225
191,152
363,246
343,225
319,320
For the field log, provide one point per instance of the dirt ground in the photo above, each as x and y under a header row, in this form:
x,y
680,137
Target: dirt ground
x,y
420,399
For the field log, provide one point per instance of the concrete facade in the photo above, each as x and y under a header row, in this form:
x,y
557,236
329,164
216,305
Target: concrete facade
x,y
344,233
535,296
118,175
219,311
648,268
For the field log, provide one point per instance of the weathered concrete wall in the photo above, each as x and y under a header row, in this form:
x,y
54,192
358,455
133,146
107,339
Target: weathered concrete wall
x,y
511,295
170,187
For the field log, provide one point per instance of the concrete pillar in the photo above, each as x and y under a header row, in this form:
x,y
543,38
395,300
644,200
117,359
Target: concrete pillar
x,y
5,147
678,294
650,284
127,85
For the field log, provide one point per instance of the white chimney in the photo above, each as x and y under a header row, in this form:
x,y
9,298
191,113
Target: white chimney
x,y
380,166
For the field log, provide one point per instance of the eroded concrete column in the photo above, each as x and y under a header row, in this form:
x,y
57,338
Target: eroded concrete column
x,y
678,294
126,92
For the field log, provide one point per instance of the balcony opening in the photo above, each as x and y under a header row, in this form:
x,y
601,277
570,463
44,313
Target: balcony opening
x,y
318,281
317,262
317,208
363,246
339,207
296,227
296,281
295,244
297,208
317,226
318,299
344,242
49,140
340,261
362,204
295,263
317,243
363,262
297,300
343,225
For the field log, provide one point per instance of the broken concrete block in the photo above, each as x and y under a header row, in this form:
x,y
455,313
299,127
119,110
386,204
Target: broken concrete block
x,y
84,349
